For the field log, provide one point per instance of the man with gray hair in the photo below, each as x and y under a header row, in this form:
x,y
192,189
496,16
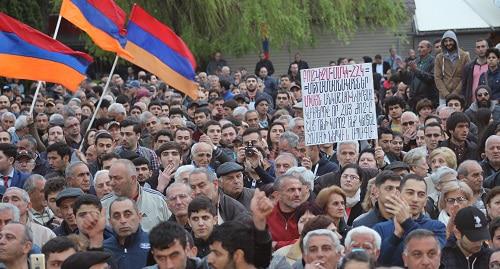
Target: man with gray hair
x,y
289,142
8,213
7,120
102,183
40,213
151,203
421,250
16,241
182,173
20,198
117,112
283,162
178,196
363,238
409,123
78,176
322,249
21,128
471,173
204,182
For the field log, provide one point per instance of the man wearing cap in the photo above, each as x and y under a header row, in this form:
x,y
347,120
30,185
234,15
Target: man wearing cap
x,y
87,260
398,167
230,175
65,200
25,162
466,249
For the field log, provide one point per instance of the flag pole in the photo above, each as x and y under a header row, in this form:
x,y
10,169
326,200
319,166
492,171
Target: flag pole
x,y
56,31
100,101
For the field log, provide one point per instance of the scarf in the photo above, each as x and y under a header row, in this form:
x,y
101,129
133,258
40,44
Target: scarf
x,y
352,201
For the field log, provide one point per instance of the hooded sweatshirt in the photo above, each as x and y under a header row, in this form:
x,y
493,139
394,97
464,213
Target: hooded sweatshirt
x,y
449,67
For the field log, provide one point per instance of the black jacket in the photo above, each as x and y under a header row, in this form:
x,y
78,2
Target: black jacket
x,y
369,219
422,82
467,78
325,166
471,151
453,258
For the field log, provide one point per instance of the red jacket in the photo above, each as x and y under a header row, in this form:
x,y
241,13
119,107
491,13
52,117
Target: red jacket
x,y
283,230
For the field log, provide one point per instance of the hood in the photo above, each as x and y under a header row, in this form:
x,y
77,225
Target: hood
x,y
449,34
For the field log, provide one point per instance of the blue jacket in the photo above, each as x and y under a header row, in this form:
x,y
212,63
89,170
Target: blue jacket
x,y
133,254
392,246
18,179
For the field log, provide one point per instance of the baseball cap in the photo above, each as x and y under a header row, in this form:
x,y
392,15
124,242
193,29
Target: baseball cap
x,y
24,154
6,88
134,84
471,222
397,165
68,193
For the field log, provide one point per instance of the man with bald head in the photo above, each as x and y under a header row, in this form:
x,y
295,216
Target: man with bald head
x,y
409,122
124,183
421,73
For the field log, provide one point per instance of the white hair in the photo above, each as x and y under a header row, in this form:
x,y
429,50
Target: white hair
x,y
117,108
195,147
182,169
16,215
306,174
442,171
239,111
21,122
353,142
363,230
24,194
99,174
321,232
8,115
293,122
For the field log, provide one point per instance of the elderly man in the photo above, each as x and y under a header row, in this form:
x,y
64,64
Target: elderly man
x,y
364,238
72,132
347,152
204,182
178,199
102,183
471,173
230,175
65,200
125,219
39,211
283,162
322,249
16,241
491,163
409,123
78,176
422,250
124,183
21,200
283,228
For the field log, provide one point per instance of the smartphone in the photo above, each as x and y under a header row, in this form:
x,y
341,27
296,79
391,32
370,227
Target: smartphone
x,y
37,261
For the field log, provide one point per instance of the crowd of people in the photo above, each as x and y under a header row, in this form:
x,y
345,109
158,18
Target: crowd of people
x,y
227,181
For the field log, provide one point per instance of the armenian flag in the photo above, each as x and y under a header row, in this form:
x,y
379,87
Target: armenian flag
x,y
157,49
102,20
26,53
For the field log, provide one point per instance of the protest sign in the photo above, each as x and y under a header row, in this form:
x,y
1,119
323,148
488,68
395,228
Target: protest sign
x,y
338,104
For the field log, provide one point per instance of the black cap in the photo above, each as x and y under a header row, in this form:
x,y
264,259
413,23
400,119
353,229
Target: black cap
x,y
86,259
242,98
6,88
24,154
397,165
68,193
471,222
228,168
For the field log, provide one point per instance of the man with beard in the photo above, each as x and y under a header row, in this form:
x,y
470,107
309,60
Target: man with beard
x,y
473,70
183,136
253,92
457,126
449,66
482,100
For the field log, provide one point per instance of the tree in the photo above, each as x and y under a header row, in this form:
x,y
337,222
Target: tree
x,y
238,26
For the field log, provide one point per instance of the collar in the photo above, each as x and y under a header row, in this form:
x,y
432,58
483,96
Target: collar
x,y
11,173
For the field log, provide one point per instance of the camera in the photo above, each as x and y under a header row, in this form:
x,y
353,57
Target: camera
x,y
249,149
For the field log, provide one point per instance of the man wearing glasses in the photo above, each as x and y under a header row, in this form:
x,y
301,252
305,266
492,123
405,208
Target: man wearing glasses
x,y
409,122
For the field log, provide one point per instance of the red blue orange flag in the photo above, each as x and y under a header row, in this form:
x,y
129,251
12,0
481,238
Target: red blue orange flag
x,y
157,49
102,20
26,53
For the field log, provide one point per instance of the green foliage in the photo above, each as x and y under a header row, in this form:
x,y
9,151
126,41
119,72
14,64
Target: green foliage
x,y
238,26
26,11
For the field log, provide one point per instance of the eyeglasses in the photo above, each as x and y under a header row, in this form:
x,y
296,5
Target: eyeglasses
x,y
408,123
351,177
458,200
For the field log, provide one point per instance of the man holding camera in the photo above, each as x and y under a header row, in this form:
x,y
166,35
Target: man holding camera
x,y
258,170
